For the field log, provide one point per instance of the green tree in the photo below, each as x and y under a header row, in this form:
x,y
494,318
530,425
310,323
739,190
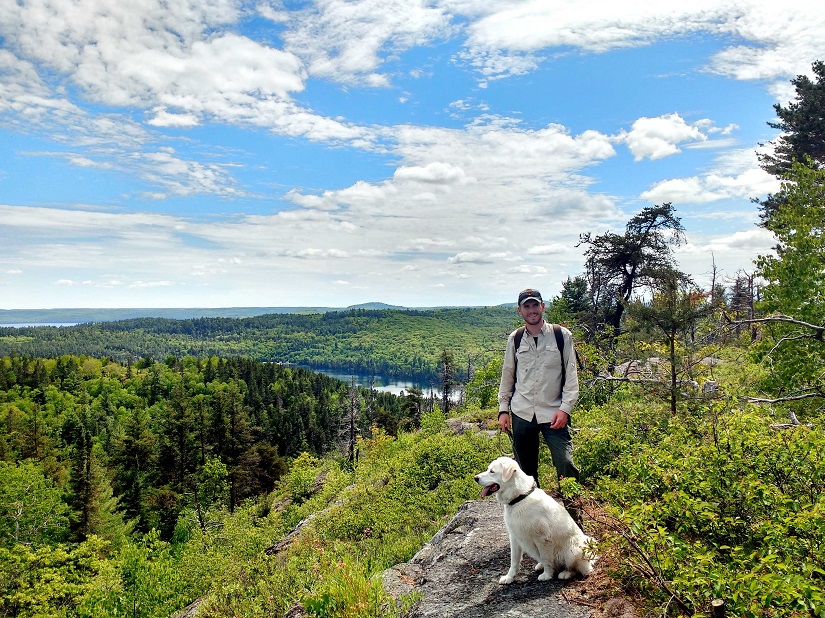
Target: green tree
x,y
672,314
232,434
802,124
32,510
36,582
483,388
574,297
134,459
617,265
795,287
447,375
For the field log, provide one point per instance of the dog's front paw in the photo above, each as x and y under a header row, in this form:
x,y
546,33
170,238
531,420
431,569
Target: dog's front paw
x,y
506,579
539,567
546,575
565,575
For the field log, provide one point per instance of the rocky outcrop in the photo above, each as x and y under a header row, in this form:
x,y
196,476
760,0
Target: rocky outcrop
x,y
457,573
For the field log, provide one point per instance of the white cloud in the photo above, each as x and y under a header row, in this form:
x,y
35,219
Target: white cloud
x,y
735,175
775,40
150,284
488,198
736,250
348,41
436,173
552,249
656,138
162,118
469,257
179,61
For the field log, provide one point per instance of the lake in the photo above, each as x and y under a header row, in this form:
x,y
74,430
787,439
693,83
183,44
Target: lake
x,y
383,384
387,385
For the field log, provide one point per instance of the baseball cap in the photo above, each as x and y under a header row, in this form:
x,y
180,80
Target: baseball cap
x,y
529,294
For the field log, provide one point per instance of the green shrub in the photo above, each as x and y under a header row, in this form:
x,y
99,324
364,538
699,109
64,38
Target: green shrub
x,y
48,582
729,509
143,580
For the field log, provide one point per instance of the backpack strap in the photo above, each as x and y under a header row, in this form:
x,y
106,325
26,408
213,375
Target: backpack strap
x,y
560,344
516,344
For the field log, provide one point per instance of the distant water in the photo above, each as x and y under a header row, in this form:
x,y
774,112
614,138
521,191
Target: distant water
x,y
385,385
58,324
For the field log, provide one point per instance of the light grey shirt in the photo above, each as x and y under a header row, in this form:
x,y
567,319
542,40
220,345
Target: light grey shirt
x,y
538,390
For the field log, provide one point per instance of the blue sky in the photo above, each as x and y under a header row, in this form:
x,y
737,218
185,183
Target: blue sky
x,y
333,152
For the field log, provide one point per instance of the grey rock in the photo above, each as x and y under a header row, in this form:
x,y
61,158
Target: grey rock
x,y
629,368
457,573
459,427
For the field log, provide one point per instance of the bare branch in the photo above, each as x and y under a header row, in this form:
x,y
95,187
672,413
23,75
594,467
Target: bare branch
x,y
604,378
781,426
784,399
818,331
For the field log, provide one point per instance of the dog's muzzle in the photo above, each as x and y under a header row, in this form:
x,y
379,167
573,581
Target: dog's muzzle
x,y
489,490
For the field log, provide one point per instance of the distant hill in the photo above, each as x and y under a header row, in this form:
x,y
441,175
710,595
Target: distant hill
x,y
383,341
376,305
85,315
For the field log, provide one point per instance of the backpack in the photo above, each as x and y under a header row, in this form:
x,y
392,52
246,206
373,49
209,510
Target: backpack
x,y
559,344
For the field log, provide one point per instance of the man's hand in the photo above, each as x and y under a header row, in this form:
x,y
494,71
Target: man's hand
x,y
504,421
560,420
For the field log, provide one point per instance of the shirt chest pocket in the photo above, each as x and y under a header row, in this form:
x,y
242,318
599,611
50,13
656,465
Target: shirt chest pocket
x,y
550,359
538,365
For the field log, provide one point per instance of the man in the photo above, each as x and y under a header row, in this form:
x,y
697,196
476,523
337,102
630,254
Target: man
x,y
531,388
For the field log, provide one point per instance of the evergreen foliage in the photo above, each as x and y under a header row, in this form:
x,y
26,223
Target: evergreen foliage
x,y
801,123
713,504
89,446
699,503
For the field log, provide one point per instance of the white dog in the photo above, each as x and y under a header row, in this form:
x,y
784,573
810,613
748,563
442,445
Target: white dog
x,y
537,524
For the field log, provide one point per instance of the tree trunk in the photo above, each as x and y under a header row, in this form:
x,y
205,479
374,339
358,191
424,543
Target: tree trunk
x,y
674,385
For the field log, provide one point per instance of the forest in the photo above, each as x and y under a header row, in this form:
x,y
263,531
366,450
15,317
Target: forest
x,y
133,446
403,343
133,486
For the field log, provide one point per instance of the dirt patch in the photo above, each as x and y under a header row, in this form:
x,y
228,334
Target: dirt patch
x,y
601,591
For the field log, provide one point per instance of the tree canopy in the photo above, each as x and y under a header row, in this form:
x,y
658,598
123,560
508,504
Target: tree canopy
x,y
795,277
802,124
619,264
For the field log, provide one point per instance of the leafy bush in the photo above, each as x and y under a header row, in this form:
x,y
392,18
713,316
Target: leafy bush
x,y
720,507
32,510
143,580
48,582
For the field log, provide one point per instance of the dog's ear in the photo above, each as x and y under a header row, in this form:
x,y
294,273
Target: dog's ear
x,y
508,469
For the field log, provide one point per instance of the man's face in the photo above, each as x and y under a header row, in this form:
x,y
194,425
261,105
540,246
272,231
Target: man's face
x,y
532,311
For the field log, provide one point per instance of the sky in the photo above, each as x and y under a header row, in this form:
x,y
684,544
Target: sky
x,y
177,153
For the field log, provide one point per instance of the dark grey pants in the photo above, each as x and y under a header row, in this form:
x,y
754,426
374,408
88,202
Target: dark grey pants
x,y
526,446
